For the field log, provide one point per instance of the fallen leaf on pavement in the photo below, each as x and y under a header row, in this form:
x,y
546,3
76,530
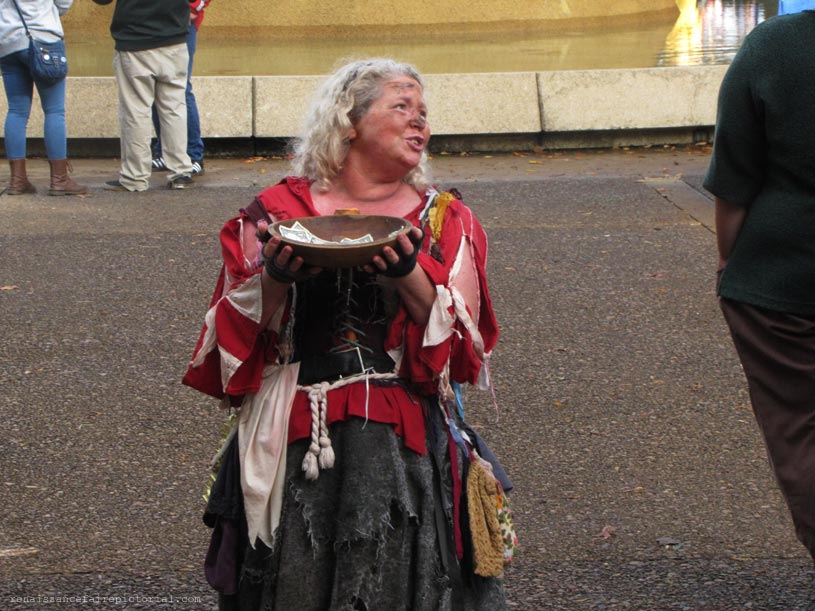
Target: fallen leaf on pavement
x,y
608,532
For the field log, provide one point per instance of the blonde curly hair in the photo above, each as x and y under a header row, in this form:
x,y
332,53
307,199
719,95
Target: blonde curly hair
x,y
340,101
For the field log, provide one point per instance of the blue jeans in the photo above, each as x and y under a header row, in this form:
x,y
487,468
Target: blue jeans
x,y
19,92
195,146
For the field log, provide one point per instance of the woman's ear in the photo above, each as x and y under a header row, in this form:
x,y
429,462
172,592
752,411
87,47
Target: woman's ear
x,y
350,134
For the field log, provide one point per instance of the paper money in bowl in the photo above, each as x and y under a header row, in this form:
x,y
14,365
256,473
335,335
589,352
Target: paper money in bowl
x,y
339,241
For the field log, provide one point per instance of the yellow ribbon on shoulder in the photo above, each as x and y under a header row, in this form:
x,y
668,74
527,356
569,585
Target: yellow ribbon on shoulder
x,y
435,215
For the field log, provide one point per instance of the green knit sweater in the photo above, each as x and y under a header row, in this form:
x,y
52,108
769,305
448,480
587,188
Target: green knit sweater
x,y
764,159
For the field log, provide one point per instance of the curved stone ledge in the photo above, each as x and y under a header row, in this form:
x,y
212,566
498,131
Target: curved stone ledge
x,y
652,100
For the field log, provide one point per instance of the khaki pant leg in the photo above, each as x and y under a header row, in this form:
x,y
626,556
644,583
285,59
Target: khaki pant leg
x,y
171,104
136,83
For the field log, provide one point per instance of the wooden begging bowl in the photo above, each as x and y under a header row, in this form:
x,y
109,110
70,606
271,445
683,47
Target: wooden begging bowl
x,y
383,229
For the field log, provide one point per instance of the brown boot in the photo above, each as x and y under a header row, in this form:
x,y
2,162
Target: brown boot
x,y
18,183
61,183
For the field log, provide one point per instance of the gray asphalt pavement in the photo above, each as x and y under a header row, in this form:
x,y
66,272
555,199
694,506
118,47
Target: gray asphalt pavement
x,y
641,479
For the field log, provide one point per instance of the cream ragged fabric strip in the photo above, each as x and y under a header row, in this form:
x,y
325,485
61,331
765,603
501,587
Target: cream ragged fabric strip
x,y
263,435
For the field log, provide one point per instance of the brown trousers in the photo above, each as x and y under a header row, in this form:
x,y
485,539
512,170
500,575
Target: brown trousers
x,y
777,351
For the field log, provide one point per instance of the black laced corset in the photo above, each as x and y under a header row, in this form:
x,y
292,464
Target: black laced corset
x,y
341,319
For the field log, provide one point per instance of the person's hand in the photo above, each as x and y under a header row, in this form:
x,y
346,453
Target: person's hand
x,y
719,271
279,260
399,261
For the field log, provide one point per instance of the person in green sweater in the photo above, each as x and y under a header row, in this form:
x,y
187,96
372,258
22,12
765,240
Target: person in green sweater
x,y
762,174
150,65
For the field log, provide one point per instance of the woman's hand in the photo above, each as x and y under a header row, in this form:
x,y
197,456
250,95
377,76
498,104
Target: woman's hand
x,y
281,269
400,261
279,261
412,283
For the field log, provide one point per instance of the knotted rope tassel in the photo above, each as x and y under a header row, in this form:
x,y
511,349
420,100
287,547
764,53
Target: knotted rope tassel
x,y
320,450
320,454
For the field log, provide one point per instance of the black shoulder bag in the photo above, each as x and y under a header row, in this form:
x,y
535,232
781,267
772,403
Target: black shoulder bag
x,y
46,60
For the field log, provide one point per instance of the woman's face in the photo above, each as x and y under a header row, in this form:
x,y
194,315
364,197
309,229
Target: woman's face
x,y
394,132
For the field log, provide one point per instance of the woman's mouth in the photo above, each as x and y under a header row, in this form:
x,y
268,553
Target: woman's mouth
x,y
416,142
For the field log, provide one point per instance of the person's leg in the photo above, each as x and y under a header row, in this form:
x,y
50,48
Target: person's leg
x,y
135,77
195,145
19,91
52,100
155,145
172,108
777,351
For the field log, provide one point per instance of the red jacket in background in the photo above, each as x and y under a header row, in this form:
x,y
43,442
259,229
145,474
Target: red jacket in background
x,y
197,11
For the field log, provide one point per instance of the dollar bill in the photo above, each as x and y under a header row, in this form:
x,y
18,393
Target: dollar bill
x,y
298,233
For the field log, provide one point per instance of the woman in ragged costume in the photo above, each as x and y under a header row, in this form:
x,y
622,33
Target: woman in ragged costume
x,y
349,479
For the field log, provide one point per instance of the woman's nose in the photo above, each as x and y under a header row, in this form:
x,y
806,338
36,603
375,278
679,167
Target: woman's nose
x,y
418,119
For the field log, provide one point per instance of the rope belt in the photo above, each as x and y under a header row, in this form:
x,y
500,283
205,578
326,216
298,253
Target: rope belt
x,y
320,454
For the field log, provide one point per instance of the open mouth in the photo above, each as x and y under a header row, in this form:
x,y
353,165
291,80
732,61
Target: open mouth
x,y
417,142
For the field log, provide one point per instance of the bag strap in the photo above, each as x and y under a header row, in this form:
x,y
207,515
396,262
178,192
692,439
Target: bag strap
x,y
257,212
20,13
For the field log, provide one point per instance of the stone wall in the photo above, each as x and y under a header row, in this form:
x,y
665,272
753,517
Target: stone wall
x,y
565,109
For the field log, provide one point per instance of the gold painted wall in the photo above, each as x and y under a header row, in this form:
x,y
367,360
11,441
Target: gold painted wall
x,y
305,15
242,37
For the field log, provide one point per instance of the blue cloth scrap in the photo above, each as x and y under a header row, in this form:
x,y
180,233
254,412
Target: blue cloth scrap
x,y
485,453
456,434
459,398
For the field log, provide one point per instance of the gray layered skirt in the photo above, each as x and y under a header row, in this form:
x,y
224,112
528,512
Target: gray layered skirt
x,y
374,533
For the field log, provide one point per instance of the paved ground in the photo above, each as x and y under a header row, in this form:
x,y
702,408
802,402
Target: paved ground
x,y
624,420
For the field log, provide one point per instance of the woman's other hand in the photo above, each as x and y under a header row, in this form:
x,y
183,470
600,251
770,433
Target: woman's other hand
x,y
414,286
400,261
